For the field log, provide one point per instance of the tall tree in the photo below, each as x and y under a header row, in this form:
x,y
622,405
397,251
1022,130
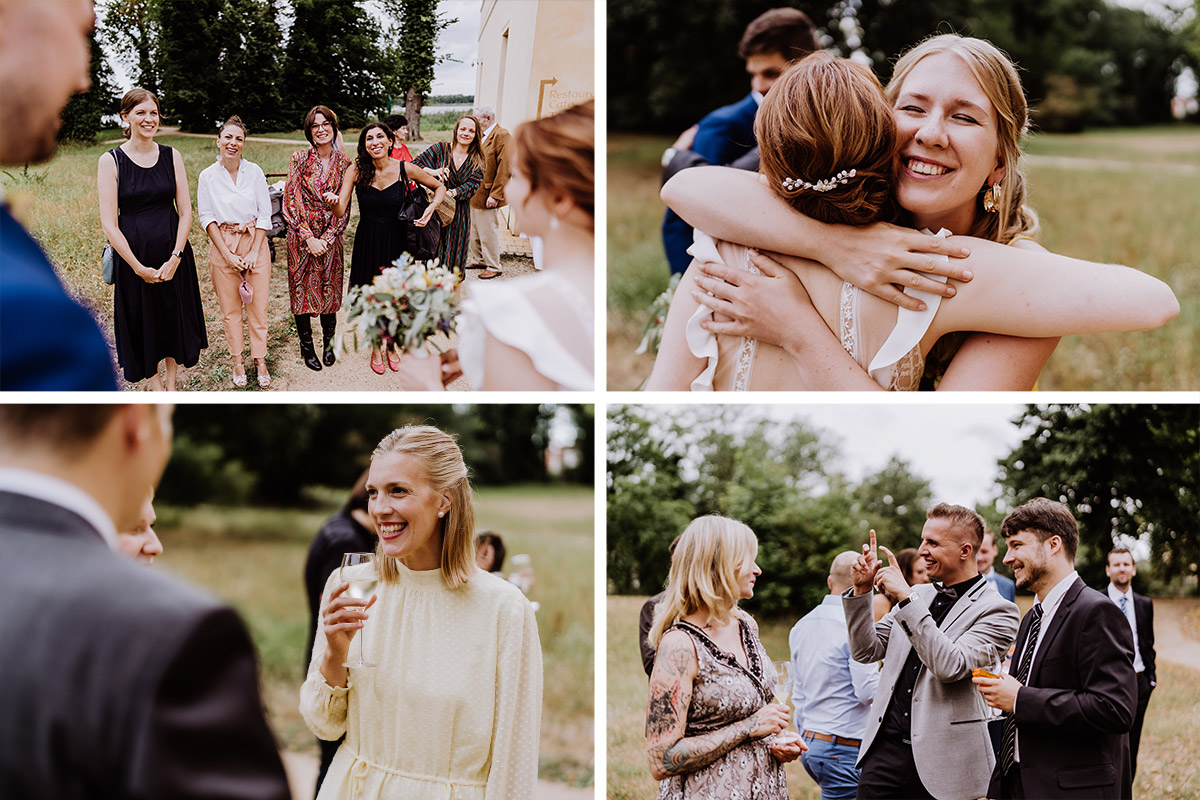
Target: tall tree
x,y
81,117
133,29
333,58
411,59
250,68
893,501
1131,470
193,87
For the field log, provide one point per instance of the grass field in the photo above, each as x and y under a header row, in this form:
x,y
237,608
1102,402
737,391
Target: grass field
x,y
254,560
58,203
1143,217
1168,763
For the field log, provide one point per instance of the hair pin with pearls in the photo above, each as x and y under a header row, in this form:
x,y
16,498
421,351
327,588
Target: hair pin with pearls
x,y
844,176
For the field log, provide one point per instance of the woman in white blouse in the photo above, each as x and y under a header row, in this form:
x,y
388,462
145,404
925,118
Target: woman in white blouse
x,y
235,212
453,707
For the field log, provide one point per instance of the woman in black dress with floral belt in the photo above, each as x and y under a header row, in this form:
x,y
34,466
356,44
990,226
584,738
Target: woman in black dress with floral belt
x,y
146,212
379,239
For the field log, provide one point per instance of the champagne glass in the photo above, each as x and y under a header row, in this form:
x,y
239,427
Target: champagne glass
x,y
783,693
358,569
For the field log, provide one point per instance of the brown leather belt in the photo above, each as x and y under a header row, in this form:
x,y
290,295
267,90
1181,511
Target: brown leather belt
x,y
825,737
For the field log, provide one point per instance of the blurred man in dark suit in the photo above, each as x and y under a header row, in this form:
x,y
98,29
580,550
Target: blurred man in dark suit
x,y
1140,612
1071,695
48,340
116,682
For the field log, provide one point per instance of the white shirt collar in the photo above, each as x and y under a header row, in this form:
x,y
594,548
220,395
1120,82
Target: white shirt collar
x,y
1116,594
987,574
58,492
490,128
758,97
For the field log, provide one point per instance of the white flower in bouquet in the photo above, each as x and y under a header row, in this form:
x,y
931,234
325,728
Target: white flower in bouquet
x,y
408,304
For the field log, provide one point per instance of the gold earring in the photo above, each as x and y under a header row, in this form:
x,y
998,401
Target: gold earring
x,y
991,198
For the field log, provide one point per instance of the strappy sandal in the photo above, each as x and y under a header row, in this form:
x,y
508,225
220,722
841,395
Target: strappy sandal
x,y
239,373
264,375
489,273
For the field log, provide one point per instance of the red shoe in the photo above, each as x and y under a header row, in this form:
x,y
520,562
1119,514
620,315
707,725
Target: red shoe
x,y
394,366
379,368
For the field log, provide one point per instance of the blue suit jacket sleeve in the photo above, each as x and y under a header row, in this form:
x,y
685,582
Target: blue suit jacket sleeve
x,y
48,340
726,133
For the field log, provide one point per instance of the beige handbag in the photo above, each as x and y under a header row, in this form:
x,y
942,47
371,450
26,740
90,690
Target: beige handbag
x,y
447,208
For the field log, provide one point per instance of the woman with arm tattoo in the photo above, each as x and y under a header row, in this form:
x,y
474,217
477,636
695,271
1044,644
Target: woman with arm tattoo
x,y
710,725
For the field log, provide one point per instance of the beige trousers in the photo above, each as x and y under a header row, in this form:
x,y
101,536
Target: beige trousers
x,y
484,247
226,280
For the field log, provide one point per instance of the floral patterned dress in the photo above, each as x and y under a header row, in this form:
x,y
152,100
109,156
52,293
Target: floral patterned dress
x,y
314,282
725,692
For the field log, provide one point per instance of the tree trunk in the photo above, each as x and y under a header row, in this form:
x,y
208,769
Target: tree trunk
x,y
413,102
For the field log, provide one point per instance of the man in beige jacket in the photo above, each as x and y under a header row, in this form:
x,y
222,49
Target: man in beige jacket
x,y
486,220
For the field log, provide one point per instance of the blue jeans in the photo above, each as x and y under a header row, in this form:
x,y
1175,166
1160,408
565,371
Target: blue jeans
x,y
832,767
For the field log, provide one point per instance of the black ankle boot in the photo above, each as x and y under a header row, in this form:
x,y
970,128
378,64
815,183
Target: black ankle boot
x,y
307,351
328,329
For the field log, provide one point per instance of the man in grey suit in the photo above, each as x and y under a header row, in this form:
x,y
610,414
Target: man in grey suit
x,y
116,682
927,732
986,559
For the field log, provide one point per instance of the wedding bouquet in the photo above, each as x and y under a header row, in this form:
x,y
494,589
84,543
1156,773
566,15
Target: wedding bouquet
x,y
407,304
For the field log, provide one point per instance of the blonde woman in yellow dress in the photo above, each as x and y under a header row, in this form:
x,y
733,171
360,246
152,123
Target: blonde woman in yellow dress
x,y
453,707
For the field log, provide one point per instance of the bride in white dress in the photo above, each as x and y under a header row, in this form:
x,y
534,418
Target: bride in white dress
x,y
830,150
536,332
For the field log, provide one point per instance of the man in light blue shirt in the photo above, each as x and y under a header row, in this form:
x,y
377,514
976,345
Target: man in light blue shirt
x,y
831,692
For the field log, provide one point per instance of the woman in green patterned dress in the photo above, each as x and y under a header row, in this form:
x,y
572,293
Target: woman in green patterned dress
x,y
459,165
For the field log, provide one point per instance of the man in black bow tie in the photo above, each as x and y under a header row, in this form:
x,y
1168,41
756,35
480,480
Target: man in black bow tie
x,y
927,734
1072,692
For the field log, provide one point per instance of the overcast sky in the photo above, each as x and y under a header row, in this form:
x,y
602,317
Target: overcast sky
x,y
954,447
460,41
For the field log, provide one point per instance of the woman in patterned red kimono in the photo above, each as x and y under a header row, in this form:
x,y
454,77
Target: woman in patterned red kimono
x,y
314,237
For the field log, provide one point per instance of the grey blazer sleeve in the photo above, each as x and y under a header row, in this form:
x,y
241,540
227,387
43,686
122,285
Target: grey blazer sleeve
x,y
868,638
206,736
985,642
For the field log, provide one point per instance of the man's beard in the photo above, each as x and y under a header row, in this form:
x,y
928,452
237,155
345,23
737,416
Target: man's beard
x,y
1030,576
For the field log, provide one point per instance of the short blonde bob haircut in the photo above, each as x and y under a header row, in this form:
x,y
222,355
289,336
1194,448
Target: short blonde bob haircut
x,y
442,461
704,573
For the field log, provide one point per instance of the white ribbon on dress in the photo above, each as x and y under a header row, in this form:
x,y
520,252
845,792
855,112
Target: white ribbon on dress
x,y
702,343
910,325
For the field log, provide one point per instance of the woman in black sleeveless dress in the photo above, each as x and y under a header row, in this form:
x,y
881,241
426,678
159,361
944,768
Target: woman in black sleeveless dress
x,y
380,183
156,310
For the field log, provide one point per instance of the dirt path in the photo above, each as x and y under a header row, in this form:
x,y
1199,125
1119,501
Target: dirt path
x,y
302,776
1177,631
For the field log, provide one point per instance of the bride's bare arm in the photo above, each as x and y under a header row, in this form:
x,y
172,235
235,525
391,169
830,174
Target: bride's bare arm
x,y
738,206
676,367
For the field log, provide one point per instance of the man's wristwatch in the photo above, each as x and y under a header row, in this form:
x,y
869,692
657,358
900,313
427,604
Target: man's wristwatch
x,y
904,602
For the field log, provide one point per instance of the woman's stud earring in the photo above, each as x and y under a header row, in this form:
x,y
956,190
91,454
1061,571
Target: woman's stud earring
x,y
441,514
553,222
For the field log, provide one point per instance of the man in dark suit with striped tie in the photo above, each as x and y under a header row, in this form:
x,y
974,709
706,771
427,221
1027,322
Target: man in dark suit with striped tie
x,y
1072,693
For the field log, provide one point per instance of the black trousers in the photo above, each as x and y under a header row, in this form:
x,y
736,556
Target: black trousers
x,y
1135,733
889,772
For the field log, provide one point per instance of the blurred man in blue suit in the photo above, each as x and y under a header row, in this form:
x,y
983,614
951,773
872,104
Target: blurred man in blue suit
x,y
771,42
984,559
48,340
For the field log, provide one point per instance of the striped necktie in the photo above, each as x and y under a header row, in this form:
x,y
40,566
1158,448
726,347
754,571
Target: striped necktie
x,y
1125,605
1009,747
